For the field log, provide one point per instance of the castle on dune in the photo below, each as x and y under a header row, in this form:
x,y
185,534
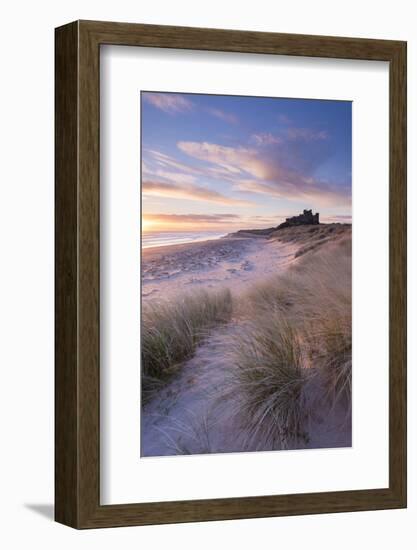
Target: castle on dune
x,y
306,218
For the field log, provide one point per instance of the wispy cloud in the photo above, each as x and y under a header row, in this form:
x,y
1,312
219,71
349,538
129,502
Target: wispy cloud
x,y
176,177
236,160
219,157
188,191
306,134
281,171
227,117
229,222
192,218
169,103
266,139
176,103
271,220
165,160
317,194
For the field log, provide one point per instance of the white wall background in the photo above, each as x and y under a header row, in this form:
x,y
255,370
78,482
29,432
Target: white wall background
x,y
26,272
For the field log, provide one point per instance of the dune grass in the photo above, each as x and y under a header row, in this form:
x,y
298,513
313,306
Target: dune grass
x,y
298,328
312,237
171,330
286,358
265,359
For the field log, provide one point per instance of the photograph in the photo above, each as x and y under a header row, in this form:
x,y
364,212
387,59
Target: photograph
x,y
246,256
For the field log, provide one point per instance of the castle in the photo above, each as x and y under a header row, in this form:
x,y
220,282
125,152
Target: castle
x,y
306,218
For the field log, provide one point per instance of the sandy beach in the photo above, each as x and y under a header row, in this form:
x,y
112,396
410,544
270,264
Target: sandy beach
x,y
230,262
207,404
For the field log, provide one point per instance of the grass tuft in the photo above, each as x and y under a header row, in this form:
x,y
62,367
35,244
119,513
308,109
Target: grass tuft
x,y
298,327
171,330
266,371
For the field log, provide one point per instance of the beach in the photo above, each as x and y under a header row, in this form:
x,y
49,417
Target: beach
x,y
246,342
232,262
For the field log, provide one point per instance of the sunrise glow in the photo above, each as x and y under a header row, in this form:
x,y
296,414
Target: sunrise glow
x,y
225,162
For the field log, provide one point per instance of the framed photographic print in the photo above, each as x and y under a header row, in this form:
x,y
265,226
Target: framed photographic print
x,y
230,274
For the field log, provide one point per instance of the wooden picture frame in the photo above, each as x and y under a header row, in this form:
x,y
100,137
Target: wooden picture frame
x,y
77,382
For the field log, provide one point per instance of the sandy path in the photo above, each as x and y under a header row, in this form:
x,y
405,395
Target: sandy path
x,y
192,416
188,416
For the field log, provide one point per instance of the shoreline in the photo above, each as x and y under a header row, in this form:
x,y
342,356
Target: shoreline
x,y
234,261
158,241
266,234
175,247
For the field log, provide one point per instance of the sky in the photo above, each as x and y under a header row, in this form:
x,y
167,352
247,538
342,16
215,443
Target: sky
x,y
213,162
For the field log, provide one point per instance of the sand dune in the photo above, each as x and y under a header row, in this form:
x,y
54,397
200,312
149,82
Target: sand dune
x,y
289,290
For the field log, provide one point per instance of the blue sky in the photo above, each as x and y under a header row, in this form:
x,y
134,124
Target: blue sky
x,y
230,162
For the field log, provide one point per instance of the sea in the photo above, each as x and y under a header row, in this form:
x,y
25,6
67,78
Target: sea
x,y
151,239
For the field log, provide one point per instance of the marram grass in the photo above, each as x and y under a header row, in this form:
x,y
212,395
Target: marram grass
x,y
171,331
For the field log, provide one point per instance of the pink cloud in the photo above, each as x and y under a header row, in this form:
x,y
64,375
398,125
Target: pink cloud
x,y
227,117
193,218
267,175
266,139
190,192
305,134
169,103
317,194
234,160
165,160
166,174
226,221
